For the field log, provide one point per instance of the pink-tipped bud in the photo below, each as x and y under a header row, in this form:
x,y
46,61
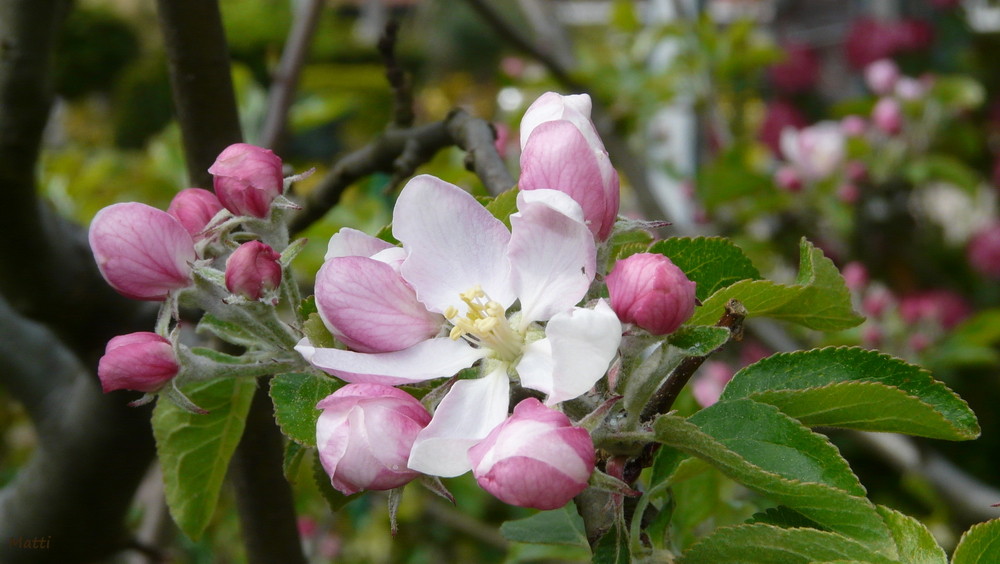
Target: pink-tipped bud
x,y
648,290
853,126
194,208
787,178
881,76
888,116
536,458
247,179
365,434
143,253
561,150
141,361
253,270
983,251
708,386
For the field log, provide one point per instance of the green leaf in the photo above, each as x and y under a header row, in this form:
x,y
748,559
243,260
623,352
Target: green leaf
x,y
559,526
856,388
774,442
979,545
295,396
699,340
942,168
818,299
914,543
832,508
767,544
783,517
613,548
194,450
229,332
503,205
710,262
292,460
317,333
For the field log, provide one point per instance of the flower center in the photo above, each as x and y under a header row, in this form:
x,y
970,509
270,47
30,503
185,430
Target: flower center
x,y
484,325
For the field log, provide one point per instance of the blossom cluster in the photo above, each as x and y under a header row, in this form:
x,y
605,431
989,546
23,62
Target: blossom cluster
x,y
517,313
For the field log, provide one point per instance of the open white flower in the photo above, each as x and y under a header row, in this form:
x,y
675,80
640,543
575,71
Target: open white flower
x,y
445,303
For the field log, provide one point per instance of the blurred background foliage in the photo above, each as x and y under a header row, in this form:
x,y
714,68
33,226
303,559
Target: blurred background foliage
x,y
737,72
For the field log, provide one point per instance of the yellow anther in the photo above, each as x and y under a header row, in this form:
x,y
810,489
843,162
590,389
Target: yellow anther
x,y
486,325
456,333
450,312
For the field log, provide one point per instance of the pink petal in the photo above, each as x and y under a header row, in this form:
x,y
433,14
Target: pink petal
x,y
467,413
353,243
559,157
552,254
434,358
370,308
552,106
577,349
453,244
144,253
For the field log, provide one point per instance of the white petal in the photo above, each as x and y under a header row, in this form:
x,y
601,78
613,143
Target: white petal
x,y
464,417
434,358
552,106
353,243
575,353
453,244
552,254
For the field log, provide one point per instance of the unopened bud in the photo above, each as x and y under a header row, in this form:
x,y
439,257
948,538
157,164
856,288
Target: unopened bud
x,y
141,361
247,179
649,290
253,270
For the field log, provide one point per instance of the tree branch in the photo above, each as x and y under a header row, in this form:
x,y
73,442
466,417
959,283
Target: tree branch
x,y
286,77
202,85
401,151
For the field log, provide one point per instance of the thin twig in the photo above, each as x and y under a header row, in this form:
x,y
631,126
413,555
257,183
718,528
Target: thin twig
x,y
402,114
286,76
419,144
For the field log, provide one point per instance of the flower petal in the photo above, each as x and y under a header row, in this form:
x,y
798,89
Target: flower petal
x,y
433,358
575,353
143,253
552,254
470,410
368,306
552,106
453,244
353,243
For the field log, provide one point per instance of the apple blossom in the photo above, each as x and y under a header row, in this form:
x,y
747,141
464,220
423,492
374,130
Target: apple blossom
x,y
853,125
247,179
815,151
561,150
253,270
787,178
888,116
649,290
983,251
536,458
140,361
143,253
881,76
194,208
708,386
364,436
458,273
939,306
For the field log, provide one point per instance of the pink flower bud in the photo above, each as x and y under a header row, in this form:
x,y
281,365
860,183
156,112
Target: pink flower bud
x,y
983,251
561,150
888,116
194,208
855,276
853,126
138,361
877,301
939,306
253,270
536,458
143,253
881,76
800,70
365,434
787,178
708,386
247,179
558,157
650,291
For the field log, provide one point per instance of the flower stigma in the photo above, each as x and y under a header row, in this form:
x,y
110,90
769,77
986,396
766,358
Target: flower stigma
x,y
484,325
